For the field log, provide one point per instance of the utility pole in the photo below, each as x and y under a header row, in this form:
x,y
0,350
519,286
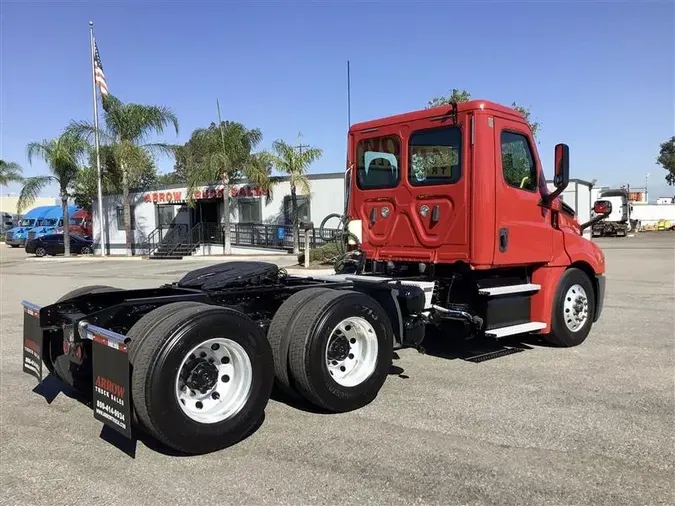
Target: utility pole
x,y
300,147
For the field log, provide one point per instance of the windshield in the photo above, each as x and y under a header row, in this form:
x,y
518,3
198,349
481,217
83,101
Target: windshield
x,y
378,162
50,222
74,221
27,222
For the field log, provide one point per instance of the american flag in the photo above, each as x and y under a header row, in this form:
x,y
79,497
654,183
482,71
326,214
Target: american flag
x,y
98,72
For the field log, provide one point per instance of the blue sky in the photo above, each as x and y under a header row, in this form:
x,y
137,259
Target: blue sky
x,y
597,75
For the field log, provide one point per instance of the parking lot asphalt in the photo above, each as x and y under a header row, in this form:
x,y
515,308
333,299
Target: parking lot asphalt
x,y
586,425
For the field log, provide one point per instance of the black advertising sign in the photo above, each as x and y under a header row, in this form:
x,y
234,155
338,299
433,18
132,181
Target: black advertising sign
x,y
32,343
112,403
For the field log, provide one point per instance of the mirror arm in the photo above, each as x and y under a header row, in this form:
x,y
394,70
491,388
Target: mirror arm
x,y
594,220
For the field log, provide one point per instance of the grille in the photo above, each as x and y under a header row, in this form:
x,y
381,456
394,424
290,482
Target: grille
x,y
9,236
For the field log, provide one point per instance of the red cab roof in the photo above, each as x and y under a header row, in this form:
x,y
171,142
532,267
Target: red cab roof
x,y
434,112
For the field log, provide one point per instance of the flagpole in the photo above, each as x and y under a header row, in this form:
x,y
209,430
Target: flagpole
x,y
96,139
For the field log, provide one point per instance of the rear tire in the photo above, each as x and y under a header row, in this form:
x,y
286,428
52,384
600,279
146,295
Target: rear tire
x,y
341,351
279,335
160,368
78,377
573,309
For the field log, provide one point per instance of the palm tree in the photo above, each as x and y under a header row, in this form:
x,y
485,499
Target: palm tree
x,y
63,155
220,153
294,162
10,172
126,128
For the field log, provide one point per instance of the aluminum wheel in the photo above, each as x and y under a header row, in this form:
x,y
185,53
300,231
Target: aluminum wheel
x,y
40,251
351,353
214,381
575,308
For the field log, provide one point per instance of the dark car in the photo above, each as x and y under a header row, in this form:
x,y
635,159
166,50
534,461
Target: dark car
x,y
52,244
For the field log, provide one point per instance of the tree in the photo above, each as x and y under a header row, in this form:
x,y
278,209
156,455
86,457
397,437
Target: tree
x,y
63,155
86,187
455,96
294,161
220,153
126,128
10,172
666,159
464,96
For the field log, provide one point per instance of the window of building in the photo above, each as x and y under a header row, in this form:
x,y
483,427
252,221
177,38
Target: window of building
x,y
120,218
304,209
378,162
435,156
165,215
249,210
518,164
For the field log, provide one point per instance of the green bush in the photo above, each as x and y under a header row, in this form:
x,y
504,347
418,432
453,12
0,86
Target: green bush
x,y
323,254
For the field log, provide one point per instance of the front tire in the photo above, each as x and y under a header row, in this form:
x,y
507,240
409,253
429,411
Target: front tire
x,y
341,351
573,309
40,251
202,378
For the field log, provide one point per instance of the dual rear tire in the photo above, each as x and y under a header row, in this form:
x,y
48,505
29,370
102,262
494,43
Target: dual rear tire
x,y
334,348
200,375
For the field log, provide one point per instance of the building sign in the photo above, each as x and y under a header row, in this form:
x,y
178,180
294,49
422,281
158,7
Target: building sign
x,y
205,193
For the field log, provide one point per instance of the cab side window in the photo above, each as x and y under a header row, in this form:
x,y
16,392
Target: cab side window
x,y
518,164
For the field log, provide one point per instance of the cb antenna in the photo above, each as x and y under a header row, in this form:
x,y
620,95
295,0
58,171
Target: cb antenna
x,y
349,97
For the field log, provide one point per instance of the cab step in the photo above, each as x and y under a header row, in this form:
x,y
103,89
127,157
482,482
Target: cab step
x,y
509,289
512,330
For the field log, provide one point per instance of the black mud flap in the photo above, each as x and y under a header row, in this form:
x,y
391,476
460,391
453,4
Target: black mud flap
x,y
32,341
111,375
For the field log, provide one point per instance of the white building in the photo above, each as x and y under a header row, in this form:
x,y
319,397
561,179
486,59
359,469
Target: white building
x,y
258,221
156,213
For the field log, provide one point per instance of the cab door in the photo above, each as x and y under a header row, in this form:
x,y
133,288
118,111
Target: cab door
x,y
523,227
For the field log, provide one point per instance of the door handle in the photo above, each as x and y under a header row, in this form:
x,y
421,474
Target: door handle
x,y
503,239
373,216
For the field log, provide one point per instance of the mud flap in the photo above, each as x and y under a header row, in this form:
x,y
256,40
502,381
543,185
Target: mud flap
x,y
111,379
32,341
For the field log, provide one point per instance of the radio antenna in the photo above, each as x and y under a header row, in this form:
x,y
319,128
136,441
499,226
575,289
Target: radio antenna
x,y
349,97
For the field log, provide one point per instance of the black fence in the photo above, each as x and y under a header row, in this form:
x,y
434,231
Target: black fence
x,y
257,235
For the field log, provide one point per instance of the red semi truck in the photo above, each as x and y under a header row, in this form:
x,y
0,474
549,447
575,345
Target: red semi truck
x,y
449,219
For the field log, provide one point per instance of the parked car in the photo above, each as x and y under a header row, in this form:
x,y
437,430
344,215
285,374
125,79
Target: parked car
x,y
52,244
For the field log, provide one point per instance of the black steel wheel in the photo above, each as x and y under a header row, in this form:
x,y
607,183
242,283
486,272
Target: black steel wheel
x,y
341,350
201,378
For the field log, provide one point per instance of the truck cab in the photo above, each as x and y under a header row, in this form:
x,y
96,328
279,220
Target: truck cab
x,y
81,223
18,235
52,223
459,191
618,222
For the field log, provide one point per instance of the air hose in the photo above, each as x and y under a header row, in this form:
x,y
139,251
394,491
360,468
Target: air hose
x,y
346,260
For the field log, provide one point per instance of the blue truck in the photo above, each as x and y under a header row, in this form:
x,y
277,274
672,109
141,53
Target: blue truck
x,y
52,222
17,236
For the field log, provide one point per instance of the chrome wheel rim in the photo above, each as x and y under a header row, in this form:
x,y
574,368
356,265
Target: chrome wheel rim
x,y
214,381
575,308
351,352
